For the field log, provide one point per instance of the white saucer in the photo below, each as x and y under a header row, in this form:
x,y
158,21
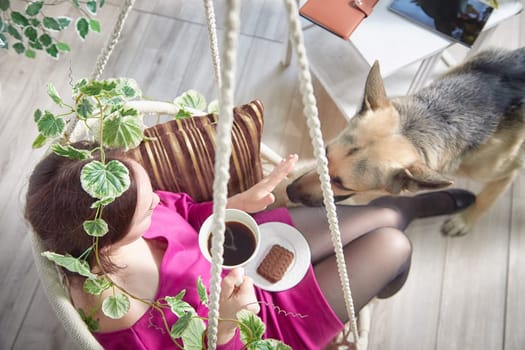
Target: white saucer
x,y
290,238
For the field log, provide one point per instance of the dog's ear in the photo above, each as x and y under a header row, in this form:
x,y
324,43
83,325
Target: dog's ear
x,y
417,177
375,94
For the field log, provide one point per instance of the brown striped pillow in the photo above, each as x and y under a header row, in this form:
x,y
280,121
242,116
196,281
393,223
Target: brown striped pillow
x,y
180,155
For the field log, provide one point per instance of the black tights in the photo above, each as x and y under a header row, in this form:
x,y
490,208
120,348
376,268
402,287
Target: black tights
x,y
377,252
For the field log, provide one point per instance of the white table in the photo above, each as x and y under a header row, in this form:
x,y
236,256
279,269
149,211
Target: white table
x,y
398,35
385,36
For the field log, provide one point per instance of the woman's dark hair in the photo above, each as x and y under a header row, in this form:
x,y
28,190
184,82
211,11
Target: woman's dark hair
x,y
57,206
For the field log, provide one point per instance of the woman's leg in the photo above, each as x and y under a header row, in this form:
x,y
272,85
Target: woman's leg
x,y
390,211
377,264
376,251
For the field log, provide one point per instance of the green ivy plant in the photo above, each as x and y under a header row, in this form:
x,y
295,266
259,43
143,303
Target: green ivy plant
x,y
100,106
29,30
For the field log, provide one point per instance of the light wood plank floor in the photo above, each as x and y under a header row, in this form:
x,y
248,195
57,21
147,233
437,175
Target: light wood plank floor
x,y
463,293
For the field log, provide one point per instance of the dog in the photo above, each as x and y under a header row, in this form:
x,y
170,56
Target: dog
x,y
470,122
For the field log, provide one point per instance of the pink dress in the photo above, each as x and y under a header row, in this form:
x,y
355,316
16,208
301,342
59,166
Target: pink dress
x,y
176,221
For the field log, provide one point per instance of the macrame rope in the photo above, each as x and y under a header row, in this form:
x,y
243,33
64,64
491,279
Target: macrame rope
x,y
212,37
222,158
103,56
311,113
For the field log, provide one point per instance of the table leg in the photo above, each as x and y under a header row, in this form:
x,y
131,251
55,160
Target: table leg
x,y
425,68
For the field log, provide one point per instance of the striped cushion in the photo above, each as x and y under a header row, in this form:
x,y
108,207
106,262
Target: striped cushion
x,y
180,154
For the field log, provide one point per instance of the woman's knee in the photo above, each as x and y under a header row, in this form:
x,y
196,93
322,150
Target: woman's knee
x,y
396,245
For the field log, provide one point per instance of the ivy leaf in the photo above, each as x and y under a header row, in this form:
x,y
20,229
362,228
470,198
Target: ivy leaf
x,y
3,42
31,33
63,21
14,32
75,2
70,263
82,27
96,228
251,327
91,5
34,22
267,344
128,88
203,293
123,131
50,126
180,326
104,180
95,286
193,334
30,53
39,141
92,89
4,5
35,45
51,24
70,152
190,328
52,51
94,25
213,107
116,306
19,19
63,47
129,112
181,114
45,39
191,100
37,115
178,306
101,3
34,8
84,108
19,48
78,86
91,323
53,93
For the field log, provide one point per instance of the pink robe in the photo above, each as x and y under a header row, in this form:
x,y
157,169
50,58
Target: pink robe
x,y
176,220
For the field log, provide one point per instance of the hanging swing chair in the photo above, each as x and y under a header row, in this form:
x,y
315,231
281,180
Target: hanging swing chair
x,y
224,77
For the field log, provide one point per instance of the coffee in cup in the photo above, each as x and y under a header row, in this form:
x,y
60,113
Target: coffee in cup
x,y
241,238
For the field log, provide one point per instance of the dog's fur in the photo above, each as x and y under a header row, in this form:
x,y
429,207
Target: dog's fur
x,y
469,122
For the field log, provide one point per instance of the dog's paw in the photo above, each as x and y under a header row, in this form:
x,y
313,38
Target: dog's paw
x,y
455,226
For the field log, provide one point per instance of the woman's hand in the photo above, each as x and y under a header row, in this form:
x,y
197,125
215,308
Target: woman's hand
x,y
234,297
260,195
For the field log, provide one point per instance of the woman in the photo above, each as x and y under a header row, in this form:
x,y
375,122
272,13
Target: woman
x,y
151,250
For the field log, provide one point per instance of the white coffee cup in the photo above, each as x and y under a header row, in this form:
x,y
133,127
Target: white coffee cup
x,y
241,238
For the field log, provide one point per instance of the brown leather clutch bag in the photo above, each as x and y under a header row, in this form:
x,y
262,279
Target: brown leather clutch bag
x,y
340,17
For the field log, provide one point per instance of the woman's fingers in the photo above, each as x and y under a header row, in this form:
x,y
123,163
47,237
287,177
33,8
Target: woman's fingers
x,y
280,172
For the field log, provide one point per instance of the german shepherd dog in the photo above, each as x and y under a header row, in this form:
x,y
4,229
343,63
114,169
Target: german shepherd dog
x,y
470,122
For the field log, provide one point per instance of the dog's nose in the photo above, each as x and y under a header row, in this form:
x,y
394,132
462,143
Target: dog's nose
x,y
292,193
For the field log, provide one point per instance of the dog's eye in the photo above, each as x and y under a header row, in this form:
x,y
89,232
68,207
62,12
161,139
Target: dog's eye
x,y
337,181
352,151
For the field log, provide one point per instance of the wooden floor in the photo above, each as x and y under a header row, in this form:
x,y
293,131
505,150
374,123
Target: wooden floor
x,y
463,293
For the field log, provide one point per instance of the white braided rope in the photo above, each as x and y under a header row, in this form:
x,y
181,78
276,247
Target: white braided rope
x,y
212,37
312,118
103,57
222,175
106,51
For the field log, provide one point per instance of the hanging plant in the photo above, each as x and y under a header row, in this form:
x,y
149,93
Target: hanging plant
x,y
29,29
